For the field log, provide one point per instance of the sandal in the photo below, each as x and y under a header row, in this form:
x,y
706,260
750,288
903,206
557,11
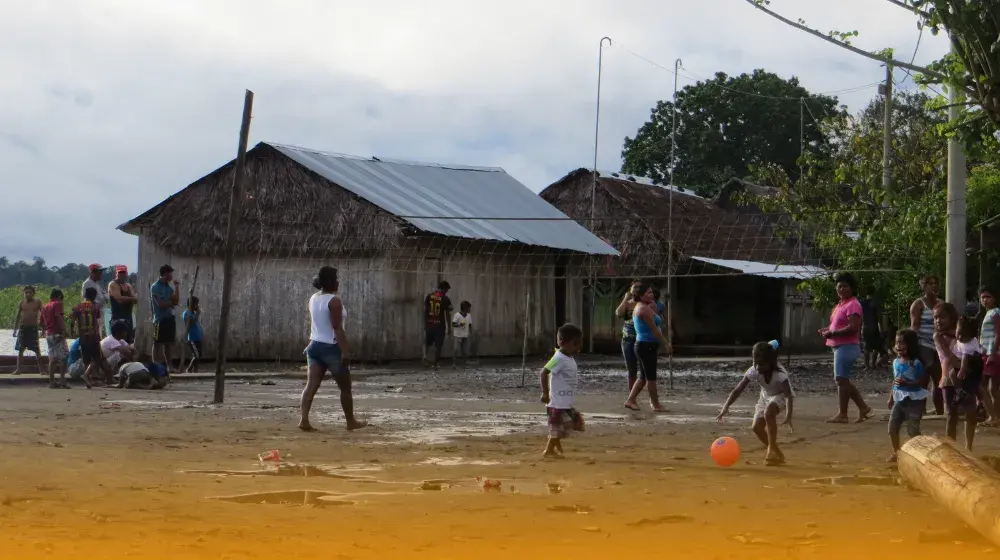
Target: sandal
x,y
865,415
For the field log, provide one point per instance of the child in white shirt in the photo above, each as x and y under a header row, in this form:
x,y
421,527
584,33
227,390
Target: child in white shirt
x,y
775,395
559,379
461,329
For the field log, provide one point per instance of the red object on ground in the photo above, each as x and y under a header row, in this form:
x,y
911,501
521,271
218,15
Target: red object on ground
x,y
725,451
271,455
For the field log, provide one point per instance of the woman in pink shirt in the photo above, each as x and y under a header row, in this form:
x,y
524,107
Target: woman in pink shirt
x,y
844,337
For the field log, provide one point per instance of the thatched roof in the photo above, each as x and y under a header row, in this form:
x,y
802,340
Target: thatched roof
x,y
632,217
301,202
285,210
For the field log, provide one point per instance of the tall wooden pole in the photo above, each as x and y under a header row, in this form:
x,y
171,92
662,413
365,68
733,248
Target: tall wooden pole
x,y
227,269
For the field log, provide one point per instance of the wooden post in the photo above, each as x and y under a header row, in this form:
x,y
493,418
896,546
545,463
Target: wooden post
x,y
524,343
965,486
227,269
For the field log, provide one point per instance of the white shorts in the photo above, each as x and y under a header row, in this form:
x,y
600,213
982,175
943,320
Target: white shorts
x,y
764,401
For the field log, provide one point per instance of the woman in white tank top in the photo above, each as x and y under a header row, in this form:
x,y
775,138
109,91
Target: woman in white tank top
x,y
327,350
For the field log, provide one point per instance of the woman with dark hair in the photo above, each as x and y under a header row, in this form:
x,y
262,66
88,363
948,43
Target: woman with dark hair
x,y
922,321
648,340
843,336
327,350
624,312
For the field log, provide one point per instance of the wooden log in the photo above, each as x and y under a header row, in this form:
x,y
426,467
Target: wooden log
x,y
964,485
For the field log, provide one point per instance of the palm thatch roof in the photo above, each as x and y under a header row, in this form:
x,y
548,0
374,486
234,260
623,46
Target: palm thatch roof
x,y
301,202
284,209
633,217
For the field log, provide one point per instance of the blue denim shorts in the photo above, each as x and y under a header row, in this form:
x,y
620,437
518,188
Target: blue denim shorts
x,y
323,354
845,357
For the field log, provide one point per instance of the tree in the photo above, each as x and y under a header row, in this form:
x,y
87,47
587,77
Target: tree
x,y
729,127
973,29
895,236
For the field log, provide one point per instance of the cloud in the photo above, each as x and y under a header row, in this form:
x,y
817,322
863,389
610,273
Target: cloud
x,y
115,104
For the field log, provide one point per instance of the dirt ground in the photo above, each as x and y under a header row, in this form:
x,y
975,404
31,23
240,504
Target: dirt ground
x,y
108,474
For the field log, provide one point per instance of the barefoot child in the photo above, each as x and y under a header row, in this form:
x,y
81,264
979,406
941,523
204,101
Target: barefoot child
x,y
965,380
558,379
775,395
86,319
192,324
461,329
908,396
991,353
53,318
26,328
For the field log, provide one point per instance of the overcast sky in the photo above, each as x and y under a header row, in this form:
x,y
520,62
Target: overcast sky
x,y
109,106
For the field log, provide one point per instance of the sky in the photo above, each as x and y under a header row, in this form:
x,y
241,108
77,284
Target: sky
x,y
109,106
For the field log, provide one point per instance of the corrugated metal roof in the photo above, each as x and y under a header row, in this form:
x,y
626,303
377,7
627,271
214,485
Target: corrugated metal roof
x,y
767,270
647,181
436,198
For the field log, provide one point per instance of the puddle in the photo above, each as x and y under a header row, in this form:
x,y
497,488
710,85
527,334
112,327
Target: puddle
x,y
684,419
455,462
288,498
297,470
855,480
159,404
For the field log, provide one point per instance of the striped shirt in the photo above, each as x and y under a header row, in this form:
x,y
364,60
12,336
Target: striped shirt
x,y
987,333
926,332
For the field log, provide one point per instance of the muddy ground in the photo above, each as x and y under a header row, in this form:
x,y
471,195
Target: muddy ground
x,y
130,474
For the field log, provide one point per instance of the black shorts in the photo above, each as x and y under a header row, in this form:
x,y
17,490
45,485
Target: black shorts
x,y
165,330
647,353
127,323
90,349
434,336
873,340
195,346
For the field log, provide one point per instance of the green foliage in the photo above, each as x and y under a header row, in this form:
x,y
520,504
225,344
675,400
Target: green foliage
x,y
728,127
12,296
898,234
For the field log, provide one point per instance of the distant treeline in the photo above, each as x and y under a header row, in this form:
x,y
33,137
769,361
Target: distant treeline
x,y
36,273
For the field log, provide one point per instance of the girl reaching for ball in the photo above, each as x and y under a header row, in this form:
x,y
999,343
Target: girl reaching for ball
x,y
775,395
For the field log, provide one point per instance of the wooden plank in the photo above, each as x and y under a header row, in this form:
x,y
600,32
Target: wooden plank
x,y
965,486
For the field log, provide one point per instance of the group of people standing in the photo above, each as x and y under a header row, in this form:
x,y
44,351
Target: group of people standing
x,y
643,340
100,352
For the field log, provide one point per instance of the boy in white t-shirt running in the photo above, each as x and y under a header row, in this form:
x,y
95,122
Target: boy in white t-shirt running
x,y
775,395
559,379
461,329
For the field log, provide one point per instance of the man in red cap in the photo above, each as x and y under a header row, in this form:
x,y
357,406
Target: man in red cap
x,y
122,297
96,271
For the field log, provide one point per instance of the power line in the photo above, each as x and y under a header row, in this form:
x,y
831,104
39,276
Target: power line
x,y
695,77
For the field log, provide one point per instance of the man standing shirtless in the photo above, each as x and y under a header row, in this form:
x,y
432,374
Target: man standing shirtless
x,y
26,328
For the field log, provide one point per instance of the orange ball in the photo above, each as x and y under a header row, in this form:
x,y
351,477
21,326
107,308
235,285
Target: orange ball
x,y
725,451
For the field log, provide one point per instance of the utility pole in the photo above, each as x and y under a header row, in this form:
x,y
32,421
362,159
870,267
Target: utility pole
x,y
955,271
887,132
227,267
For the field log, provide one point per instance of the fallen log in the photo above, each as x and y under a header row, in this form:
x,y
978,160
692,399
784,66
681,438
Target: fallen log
x,y
964,485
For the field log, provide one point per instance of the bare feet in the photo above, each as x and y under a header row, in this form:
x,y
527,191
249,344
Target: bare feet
x,y
305,426
891,458
552,455
356,425
659,409
632,406
838,419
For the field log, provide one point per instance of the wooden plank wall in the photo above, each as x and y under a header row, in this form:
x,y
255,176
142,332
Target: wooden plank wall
x,y
269,318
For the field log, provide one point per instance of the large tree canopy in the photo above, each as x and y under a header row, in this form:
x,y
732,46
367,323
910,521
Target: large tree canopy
x,y
730,126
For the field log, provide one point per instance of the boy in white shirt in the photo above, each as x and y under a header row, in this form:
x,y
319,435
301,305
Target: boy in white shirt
x,y
559,379
116,350
461,328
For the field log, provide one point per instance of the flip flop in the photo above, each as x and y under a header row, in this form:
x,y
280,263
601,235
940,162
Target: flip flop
x,y
865,416
634,407
773,461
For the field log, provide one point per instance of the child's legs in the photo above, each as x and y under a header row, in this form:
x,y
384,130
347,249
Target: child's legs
x,y
994,397
896,419
760,429
771,420
970,427
551,446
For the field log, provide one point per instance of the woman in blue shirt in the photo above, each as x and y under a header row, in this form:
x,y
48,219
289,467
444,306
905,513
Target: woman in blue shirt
x,y
649,338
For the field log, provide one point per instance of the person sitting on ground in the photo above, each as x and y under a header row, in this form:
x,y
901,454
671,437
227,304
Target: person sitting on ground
x,y
54,328
26,328
116,350
74,360
138,375
775,395
192,324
